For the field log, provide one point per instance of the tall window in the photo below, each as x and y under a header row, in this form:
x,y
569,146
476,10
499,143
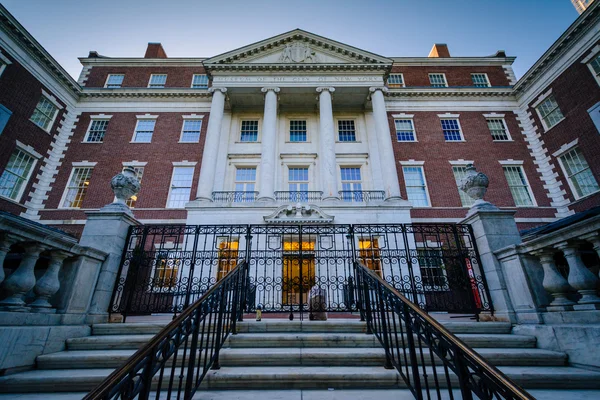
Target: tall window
x,y
595,67
181,187
518,185
157,81
578,173
166,269
114,81
191,130
498,129
139,173
438,80
480,80
395,81
96,131
44,114
433,271
451,129
549,112
200,81
144,130
298,183
298,131
228,255
77,187
249,132
460,171
346,131
351,184
405,130
416,189
16,174
245,182
369,253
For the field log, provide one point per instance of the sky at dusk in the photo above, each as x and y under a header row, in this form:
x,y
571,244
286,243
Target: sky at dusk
x,y
395,28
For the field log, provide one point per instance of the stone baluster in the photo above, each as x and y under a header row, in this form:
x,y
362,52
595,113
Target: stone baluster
x,y
268,145
554,283
594,239
49,284
22,280
327,157
580,278
6,240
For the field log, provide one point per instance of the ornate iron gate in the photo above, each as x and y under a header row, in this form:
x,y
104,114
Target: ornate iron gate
x,y
300,268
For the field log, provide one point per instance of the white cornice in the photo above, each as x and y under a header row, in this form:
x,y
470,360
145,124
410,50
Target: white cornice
x,y
141,62
144,92
451,92
451,61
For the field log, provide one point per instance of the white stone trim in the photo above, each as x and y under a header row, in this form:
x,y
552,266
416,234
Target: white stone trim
x,y
355,156
84,74
53,100
192,116
134,163
461,162
412,162
29,150
5,61
541,98
449,115
494,115
510,74
243,156
593,52
184,163
403,116
565,147
100,116
83,163
510,161
146,116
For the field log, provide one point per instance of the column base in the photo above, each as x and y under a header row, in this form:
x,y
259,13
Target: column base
x,y
588,297
266,199
585,307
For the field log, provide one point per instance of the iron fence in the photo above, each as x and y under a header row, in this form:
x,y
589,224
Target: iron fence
x,y
361,196
298,196
234,197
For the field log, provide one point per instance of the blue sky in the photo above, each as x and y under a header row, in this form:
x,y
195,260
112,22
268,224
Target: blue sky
x,y
71,28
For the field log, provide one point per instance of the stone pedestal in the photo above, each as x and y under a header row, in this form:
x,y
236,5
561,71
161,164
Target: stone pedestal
x,y
317,300
106,230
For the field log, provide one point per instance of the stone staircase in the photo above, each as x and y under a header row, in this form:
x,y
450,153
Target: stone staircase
x,y
278,354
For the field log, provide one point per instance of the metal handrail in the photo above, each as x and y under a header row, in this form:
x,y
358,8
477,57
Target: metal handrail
x,y
234,197
361,195
401,326
195,337
298,195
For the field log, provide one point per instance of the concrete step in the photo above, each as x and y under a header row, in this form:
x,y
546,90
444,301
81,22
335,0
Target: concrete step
x,y
284,356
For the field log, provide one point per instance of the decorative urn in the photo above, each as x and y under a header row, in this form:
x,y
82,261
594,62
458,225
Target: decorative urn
x,y
475,184
125,185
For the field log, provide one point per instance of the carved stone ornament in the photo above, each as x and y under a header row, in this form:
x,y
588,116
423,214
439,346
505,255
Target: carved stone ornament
x,y
299,213
475,184
125,185
298,52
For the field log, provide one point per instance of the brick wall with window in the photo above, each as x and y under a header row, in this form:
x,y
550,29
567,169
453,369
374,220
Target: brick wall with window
x,y
455,76
20,94
139,77
116,149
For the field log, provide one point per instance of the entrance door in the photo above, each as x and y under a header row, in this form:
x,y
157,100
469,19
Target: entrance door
x,y
298,279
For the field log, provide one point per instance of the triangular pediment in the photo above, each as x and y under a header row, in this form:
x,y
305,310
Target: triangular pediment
x,y
298,47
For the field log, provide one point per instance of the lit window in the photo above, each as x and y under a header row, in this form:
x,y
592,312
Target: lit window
x,y
139,172
245,182
433,271
191,130
405,131
369,253
451,129
200,82
395,81
157,81
249,132
459,174
498,129
144,130
44,114
228,255
416,189
346,131
181,187
480,80
114,81
578,173
16,175
549,112
298,183
518,186
297,131
351,184
166,268
438,80
96,131
595,67
77,187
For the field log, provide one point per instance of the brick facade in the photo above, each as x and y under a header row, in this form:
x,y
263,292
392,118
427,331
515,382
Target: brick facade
x,y
138,77
418,76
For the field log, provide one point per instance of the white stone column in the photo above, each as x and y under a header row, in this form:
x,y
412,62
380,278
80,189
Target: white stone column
x,y
554,283
22,280
49,284
327,158
580,278
211,145
384,141
266,191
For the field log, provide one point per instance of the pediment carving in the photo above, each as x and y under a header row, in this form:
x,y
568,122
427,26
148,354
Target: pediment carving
x,y
299,214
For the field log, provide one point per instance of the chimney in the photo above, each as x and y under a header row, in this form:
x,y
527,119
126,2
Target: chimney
x,y
439,50
155,50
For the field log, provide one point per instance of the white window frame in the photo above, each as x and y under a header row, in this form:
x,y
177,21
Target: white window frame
x,y
289,129
180,164
457,118
594,54
52,100
438,73
75,165
192,117
201,88
357,137
143,118
4,62
536,105
243,165
396,85
487,79
258,127
421,165
567,149
412,121
363,186
503,119
157,87
519,164
36,157
300,166
108,78
100,117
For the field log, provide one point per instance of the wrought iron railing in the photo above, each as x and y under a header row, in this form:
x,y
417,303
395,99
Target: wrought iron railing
x,y
298,197
178,358
234,197
361,196
433,362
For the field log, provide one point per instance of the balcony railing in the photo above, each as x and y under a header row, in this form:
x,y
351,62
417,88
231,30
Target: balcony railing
x,y
298,196
234,197
361,196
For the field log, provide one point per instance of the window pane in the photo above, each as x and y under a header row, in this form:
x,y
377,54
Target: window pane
x,y
158,81
181,186
97,131
114,81
579,173
297,131
200,82
415,186
44,113
437,80
191,130
144,130
77,187
459,174
518,186
245,179
550,113
497,129
351,184
346,131
396,80
596,65
480,80
16,174
451,130
249,131
404,130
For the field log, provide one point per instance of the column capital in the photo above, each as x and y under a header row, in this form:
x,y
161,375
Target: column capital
x,y
329,89
275,89
220,89
383,89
